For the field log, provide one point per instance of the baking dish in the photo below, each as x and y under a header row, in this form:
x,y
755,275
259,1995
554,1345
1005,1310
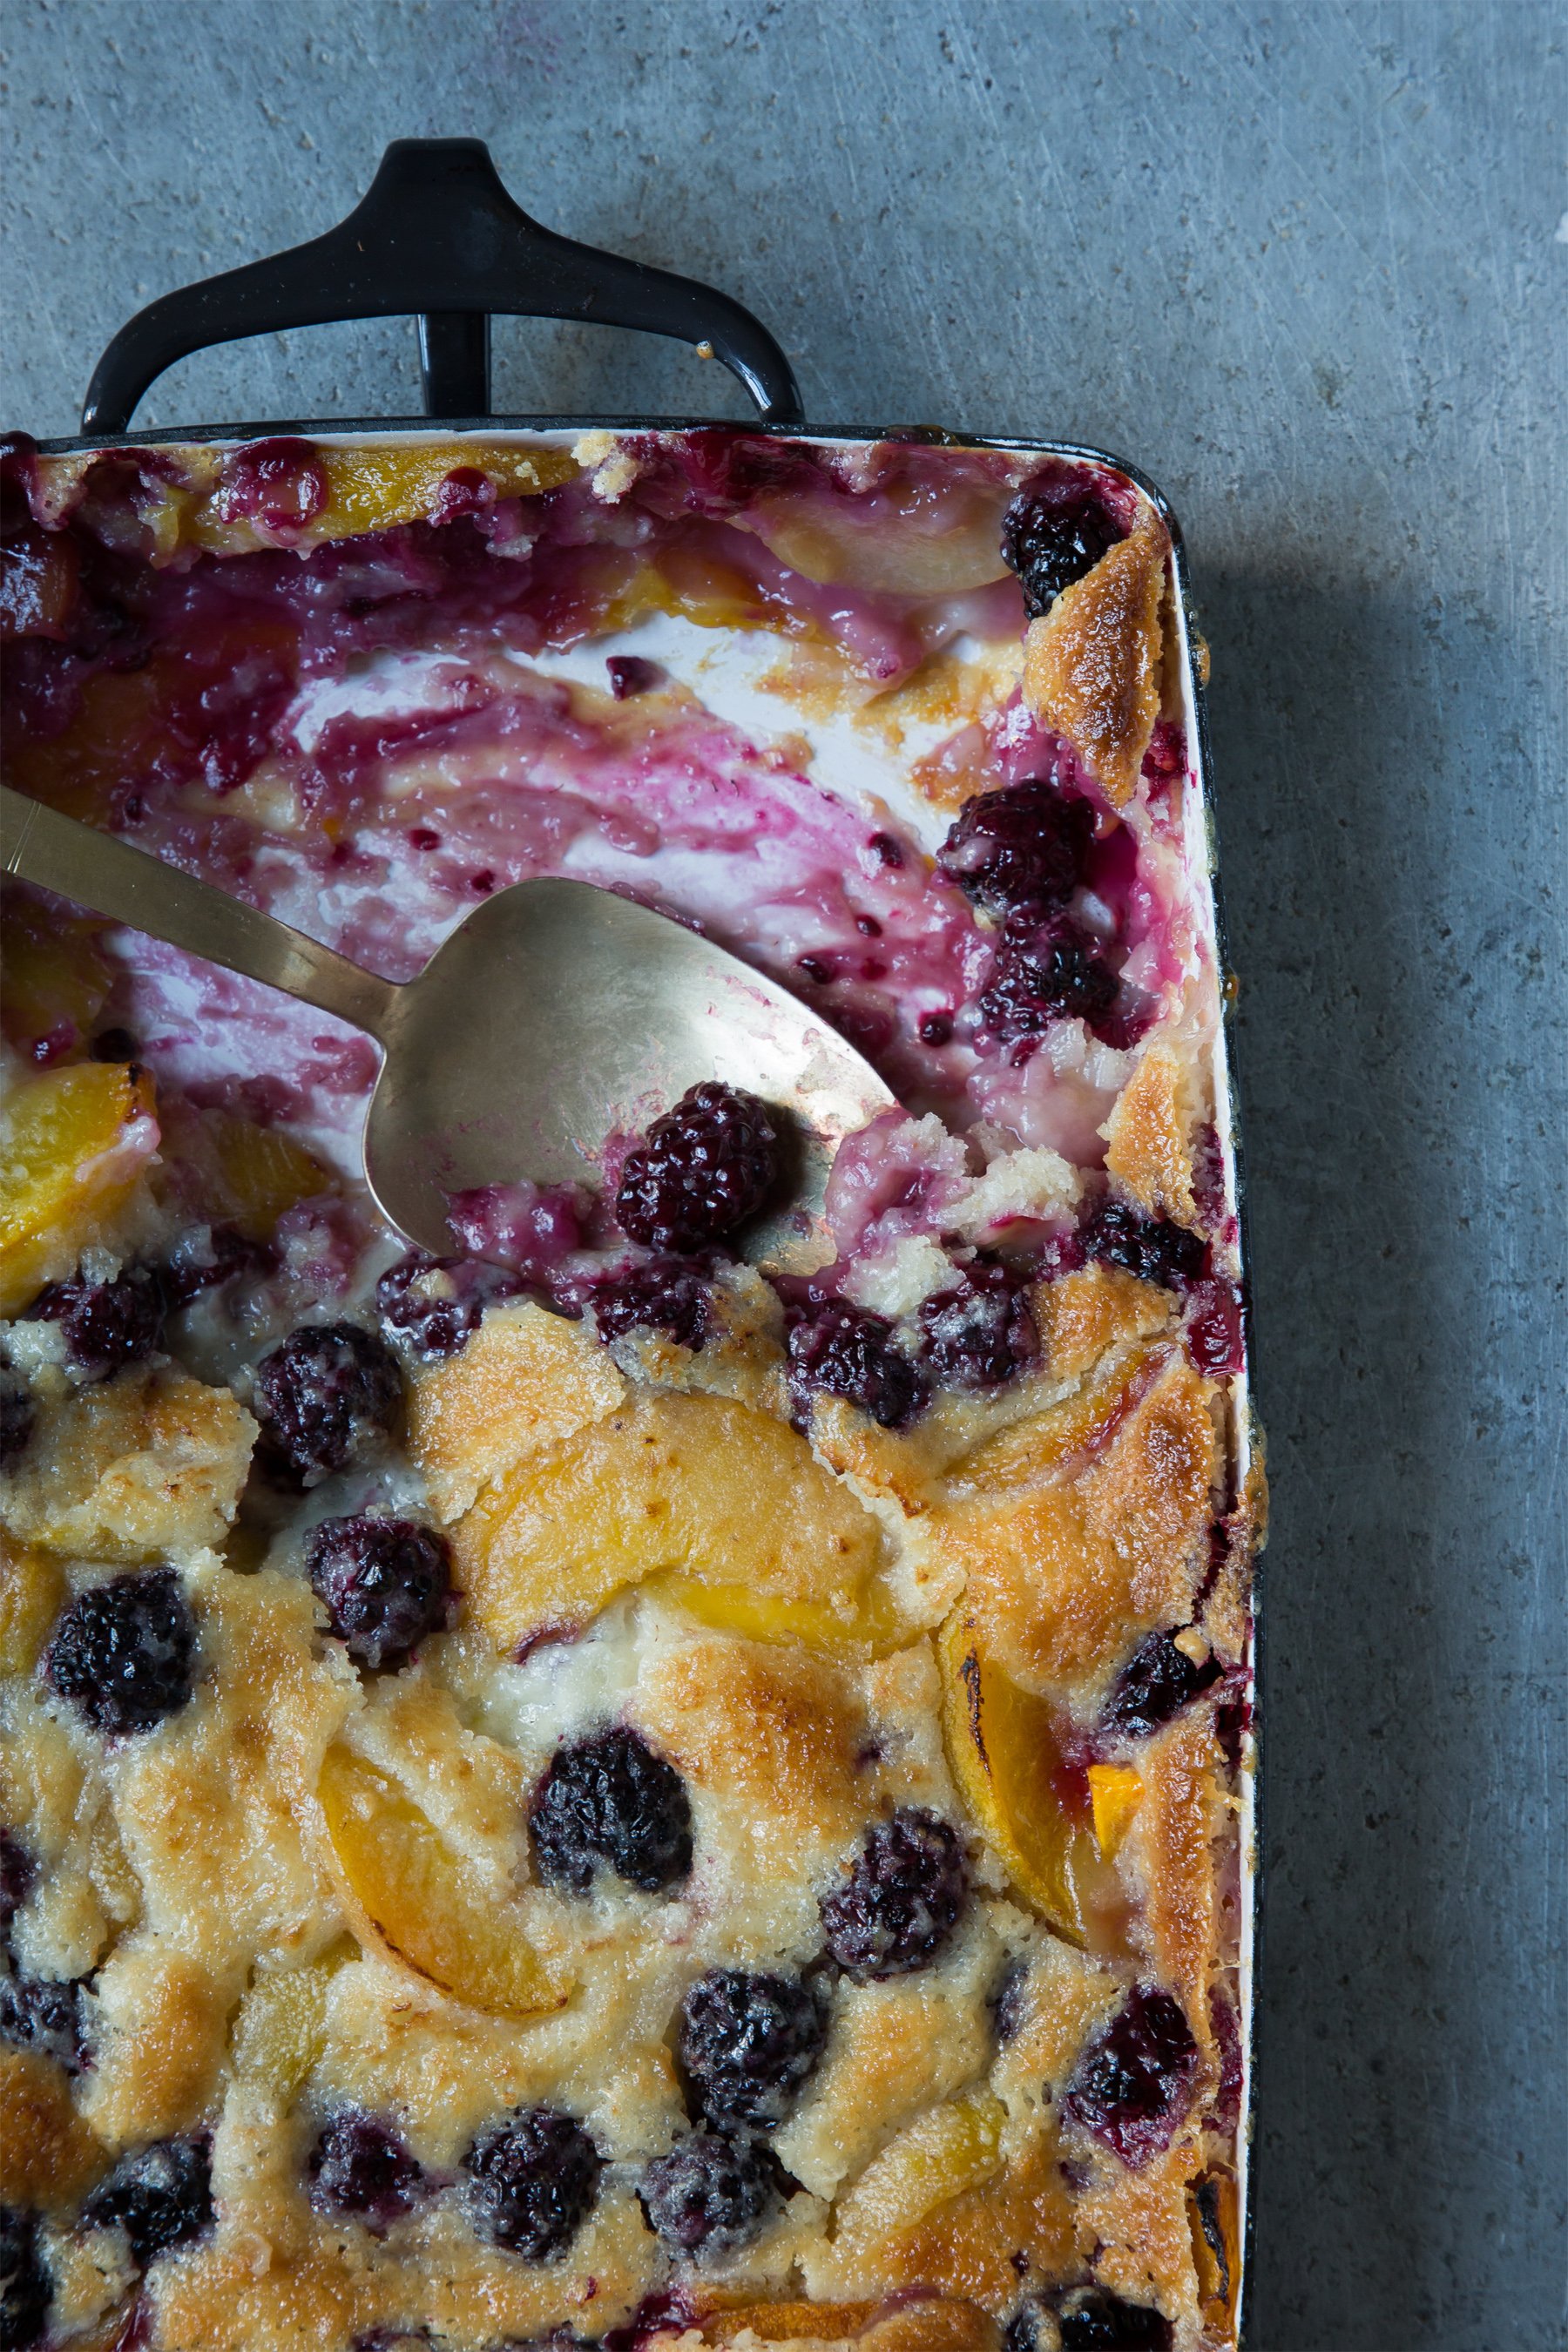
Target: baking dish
x,y
438,224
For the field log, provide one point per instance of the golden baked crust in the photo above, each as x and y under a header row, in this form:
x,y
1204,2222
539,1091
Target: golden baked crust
x,y
312,1891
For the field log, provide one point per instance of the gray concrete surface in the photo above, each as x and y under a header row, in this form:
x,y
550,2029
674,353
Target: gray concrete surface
x,y
1305,263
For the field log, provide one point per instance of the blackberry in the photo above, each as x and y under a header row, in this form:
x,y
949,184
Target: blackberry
x,y
1027,846
361,2167
704,1168
387,1583
208,1256
710,2194
122,1652
629,673
902,1898
982,1332
1048,969
106,1325
1153,1248
1156,1682
1006,2001
1131,2087
25,2288
533,2182
19,1876
39,2013
16,1415
433,1305
319,1396
747,2043
160,2197
664,1293
847,1351
1092,2319
609,1799
114,1046
1051,536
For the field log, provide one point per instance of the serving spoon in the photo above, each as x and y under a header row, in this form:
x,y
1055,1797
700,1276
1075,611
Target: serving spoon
x,y
556,1015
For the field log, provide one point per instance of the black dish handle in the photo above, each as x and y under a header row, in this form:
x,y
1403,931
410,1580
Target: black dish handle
x,y
437,234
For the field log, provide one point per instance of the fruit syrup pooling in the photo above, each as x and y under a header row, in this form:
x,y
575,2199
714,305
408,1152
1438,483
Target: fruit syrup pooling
x,y
355,737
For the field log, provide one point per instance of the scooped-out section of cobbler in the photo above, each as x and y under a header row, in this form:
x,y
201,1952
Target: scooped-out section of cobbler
x,y
586,1790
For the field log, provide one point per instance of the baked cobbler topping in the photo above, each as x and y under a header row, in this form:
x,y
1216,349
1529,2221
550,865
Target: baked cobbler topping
x,y
593,1790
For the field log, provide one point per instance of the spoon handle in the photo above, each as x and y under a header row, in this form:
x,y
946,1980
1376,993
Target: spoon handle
x,y
111,877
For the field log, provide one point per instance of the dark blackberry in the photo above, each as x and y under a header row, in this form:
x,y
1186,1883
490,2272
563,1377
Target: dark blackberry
x,y
1046,969
122,1652
664,1293
1092,2319
901,1900
106,1324
710,2194
160,2197
320,1395
1153,1248
1132,2086
39,2013
387,1583
533,2182
19,1876
361,2167
208,1256
847,1351
433,1305
1006,2000
629,673
704,1168
26,2287
981,1332
610,1799
1027,846
1051,536
1156,1682
114,1046
16,1414
746,2045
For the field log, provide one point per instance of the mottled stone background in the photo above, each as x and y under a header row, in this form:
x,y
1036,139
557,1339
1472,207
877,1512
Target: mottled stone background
x,y
1309,265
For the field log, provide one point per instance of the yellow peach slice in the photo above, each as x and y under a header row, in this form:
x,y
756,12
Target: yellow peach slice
x,y
1006,1759
1114,1792
53,980
72,1144
32,1594
280,2027
775,1617
527,1379
943,2153
412,1894
693,1486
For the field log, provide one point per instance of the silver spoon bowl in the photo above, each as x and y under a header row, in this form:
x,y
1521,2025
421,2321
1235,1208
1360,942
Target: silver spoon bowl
x,y
555,1017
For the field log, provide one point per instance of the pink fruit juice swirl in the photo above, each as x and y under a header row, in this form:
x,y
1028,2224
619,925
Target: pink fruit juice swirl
x,y
355,738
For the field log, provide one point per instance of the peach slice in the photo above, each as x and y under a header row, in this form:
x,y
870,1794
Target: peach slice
x,y
33,1591
1114,1793
55,979
412,1894
72,1144
944,2152
281,2028
691,1486
1006,1758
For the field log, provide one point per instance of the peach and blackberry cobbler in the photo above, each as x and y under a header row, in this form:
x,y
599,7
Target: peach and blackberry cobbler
x,y
607,1787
